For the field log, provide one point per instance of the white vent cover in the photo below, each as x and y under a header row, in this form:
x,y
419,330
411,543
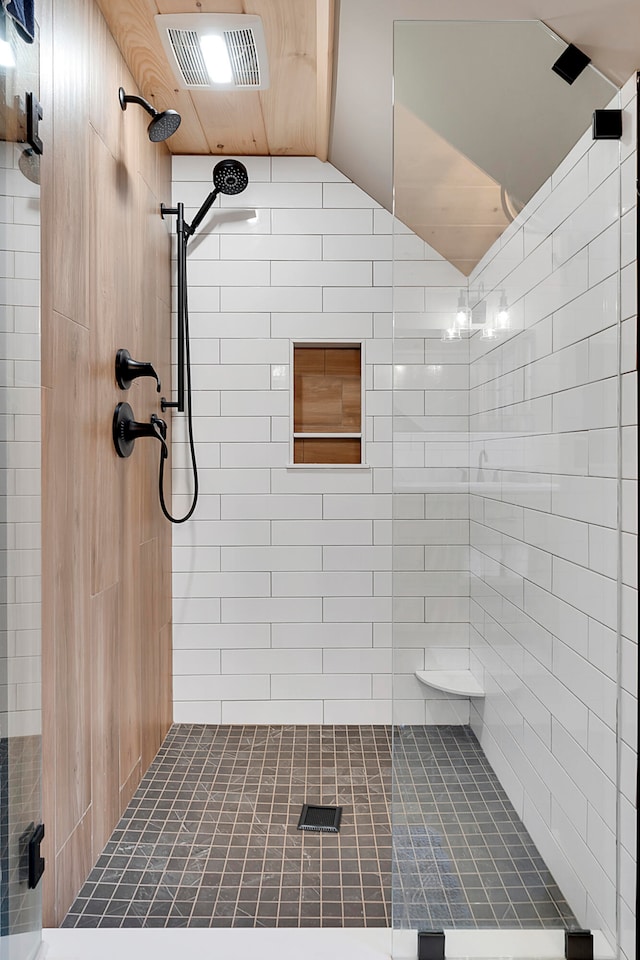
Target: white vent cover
x,y
243,39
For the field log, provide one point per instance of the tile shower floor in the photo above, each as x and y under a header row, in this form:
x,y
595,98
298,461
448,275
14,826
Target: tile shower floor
x,y
462,856
210,838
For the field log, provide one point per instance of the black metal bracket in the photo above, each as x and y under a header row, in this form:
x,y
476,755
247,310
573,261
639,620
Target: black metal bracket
x,y
578,945
36,862
431,945
34,116
607,124
571,63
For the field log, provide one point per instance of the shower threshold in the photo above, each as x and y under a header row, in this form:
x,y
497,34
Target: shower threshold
x,y
346,944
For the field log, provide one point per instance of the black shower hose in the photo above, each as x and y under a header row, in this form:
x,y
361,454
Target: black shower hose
x,y
164,452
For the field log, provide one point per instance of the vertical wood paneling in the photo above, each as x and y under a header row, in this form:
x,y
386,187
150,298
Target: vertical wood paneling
x,y
105,51
127,529
69,110
66,466
151,683
72,864
106,479
105,713
129,786
106,546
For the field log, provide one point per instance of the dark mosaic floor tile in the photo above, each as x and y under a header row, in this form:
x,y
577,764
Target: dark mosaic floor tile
x,y
210,839
450,812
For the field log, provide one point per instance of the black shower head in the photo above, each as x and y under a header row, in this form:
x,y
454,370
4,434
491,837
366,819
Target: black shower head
x,y
230,177
163,123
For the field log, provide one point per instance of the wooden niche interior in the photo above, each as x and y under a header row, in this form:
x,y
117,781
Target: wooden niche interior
x,y
327,400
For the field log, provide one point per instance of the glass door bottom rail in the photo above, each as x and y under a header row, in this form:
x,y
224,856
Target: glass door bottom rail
x,y
427,837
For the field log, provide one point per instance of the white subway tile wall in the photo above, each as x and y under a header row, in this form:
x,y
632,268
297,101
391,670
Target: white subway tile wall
x,y
19,449
283,579
297,562
544,447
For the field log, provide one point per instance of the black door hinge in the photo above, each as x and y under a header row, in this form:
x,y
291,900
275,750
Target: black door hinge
x,y
36,862
34,116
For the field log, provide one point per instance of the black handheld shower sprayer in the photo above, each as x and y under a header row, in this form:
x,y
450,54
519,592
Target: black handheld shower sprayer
x,y
229,177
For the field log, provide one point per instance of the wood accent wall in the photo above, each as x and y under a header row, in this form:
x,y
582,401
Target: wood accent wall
x,y
106,547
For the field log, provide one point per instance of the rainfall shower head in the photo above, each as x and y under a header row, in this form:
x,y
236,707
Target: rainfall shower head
x,y
230,177
163,123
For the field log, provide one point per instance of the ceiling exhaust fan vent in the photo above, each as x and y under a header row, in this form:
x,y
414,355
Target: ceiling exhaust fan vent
x,y
188,54
237,38
243,55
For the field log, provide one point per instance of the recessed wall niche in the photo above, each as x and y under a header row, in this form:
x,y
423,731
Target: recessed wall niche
x,y
327,403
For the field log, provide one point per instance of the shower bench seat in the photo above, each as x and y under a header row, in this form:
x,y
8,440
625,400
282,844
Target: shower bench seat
x,y
461,682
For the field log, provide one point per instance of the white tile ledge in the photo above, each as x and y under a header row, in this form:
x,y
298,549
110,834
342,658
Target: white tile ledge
x,y
328,466
461,682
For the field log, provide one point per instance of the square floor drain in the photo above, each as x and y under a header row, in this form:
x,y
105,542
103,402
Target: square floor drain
x,y
324,819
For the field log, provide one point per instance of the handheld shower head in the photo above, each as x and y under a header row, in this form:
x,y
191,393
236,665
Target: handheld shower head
x,y
230,177
163,123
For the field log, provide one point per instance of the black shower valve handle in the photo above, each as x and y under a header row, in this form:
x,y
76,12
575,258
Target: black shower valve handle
x,y
160,426
128,370
126,430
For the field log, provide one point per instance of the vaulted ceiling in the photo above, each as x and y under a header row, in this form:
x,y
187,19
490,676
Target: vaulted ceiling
x,y
331,65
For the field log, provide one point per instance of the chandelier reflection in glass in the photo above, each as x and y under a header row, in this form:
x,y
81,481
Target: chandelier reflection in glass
x,y
489,320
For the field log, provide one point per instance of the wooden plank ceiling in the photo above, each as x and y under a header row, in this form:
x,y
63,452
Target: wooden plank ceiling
x,y
291,118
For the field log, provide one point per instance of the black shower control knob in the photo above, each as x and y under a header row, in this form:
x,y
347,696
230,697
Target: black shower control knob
x,y
122,417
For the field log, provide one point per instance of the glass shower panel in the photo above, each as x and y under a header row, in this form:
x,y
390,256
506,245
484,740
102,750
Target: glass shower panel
x,y
505,486
20,712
